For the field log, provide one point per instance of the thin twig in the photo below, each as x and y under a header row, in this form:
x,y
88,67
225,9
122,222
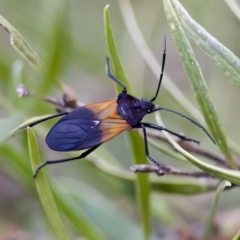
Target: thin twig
x,y
167,170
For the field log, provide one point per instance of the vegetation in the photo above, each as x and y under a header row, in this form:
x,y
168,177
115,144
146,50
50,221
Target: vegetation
x,y
58,50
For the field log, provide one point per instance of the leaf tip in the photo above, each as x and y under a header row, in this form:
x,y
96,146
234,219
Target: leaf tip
x,y
106,13
106,8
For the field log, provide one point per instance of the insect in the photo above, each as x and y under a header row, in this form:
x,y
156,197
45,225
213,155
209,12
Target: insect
x,y
91,125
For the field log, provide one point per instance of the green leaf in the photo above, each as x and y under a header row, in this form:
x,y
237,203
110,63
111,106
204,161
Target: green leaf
x,y
209,223
19,44
114,58
197,81
183,186
142,184
44,190
224,59
142,181
73,214
220,173
22,47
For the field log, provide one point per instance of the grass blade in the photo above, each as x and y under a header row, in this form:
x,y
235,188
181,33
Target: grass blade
x,y
142,184
44,190
197,81
209,223
117,68
224,59
220,173
142,181
22,47
25,50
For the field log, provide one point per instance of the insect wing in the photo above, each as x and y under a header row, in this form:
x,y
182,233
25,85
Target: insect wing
x,y
86,127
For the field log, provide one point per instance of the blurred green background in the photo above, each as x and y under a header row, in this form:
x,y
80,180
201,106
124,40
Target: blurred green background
x,y
107,203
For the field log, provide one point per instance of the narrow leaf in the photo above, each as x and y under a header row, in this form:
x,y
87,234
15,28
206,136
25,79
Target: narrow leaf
x,y
22,47
21,167
224,59
44,190
112,51
142,184
25,50
142,181
197,81
217,172
209,223
184,186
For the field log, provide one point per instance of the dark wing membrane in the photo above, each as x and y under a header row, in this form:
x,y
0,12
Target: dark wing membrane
x,y
86,127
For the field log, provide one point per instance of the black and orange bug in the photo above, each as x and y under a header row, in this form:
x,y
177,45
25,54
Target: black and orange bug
x,y
91,125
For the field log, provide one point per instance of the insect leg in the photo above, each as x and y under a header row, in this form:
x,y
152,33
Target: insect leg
x,y
163,65
39,121
189,119
146,146
124,89
83,155
150,125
